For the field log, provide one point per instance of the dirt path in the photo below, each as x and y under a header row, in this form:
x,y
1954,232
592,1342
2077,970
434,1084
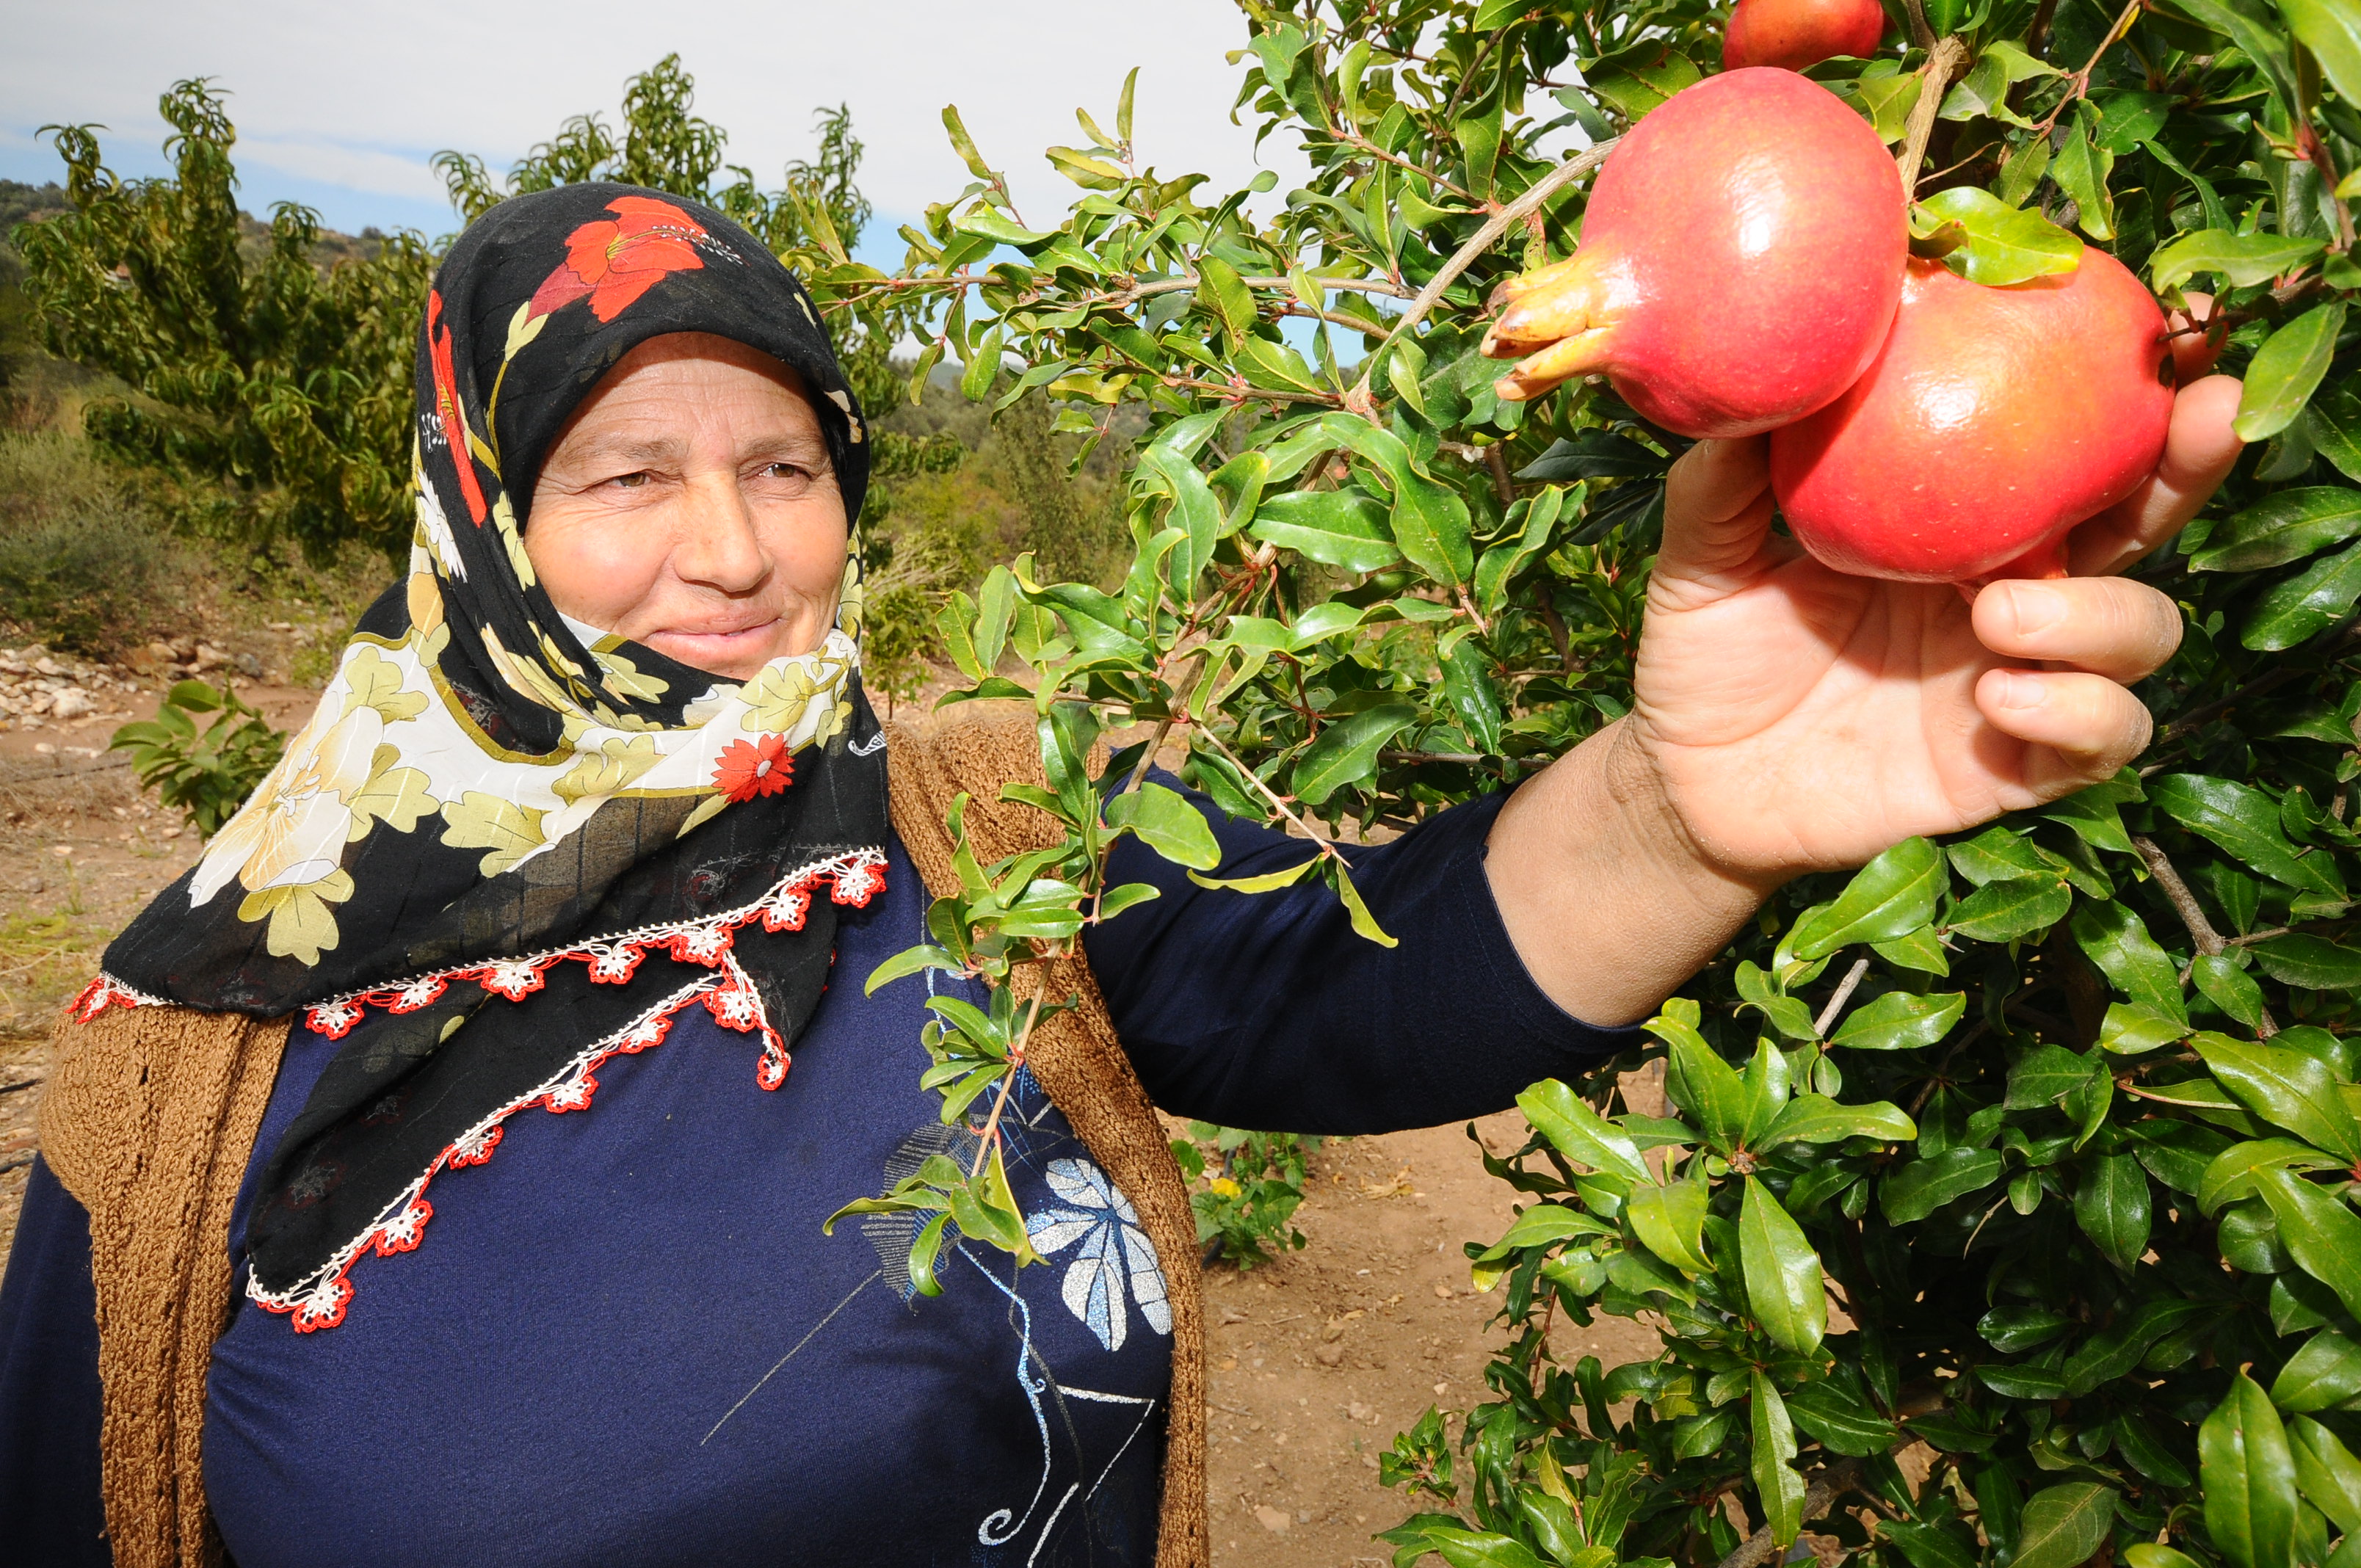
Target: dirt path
x,y
1317,1360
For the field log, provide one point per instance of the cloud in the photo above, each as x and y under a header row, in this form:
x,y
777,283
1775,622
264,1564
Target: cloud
x,y
353,98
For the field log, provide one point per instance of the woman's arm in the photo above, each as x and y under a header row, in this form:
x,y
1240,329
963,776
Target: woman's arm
x,y
1787,718
1267,1010
50,1396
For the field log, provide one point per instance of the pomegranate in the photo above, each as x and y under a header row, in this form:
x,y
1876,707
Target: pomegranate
x,y
1993,420
1794,34
1739,263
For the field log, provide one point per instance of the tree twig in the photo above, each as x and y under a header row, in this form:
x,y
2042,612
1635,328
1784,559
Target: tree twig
x,y
1844,995
1943,61
2184,902
1499,224
1825,1487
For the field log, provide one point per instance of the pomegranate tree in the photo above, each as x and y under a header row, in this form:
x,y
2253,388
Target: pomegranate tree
x,y
2000,1209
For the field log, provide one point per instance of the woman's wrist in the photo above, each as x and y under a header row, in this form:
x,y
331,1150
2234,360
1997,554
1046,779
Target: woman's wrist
x,y
1610,897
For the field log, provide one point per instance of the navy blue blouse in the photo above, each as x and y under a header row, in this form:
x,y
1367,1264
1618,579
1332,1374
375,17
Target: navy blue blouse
x,y
625,1340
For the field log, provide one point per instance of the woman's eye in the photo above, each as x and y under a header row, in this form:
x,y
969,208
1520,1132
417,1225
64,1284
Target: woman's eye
x,y
629,481
781,471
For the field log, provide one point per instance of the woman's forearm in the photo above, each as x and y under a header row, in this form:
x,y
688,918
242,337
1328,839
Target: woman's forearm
x,y
1610,902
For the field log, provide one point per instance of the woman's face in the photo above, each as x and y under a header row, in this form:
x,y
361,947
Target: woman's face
x,y
690,505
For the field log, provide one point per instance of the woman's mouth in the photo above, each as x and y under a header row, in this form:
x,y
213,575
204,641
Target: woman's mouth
x,y
721,649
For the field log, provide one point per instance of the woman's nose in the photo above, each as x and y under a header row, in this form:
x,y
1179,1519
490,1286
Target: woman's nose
x,y
717,544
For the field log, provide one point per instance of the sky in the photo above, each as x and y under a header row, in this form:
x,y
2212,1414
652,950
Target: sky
x,y
339,105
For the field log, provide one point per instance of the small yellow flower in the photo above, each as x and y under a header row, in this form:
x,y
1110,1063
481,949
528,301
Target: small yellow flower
x,y
1222,1186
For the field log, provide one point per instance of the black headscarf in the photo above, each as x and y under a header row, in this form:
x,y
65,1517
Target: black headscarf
x,y
503,850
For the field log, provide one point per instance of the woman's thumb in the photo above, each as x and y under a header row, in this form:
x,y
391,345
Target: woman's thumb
x,y
1717,507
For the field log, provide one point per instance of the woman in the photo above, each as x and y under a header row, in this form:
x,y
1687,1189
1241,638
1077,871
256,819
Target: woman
x,y
594,818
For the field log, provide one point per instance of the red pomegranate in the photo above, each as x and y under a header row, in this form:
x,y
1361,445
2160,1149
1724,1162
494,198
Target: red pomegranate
x,y
1993,420
1739,263
1794,34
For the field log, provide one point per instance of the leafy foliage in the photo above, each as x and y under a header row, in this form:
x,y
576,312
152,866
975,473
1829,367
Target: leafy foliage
x,y
2019,1147
205,774
1254,1185
263,374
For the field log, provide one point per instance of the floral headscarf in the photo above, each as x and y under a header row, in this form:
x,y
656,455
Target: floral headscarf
x,y
506,848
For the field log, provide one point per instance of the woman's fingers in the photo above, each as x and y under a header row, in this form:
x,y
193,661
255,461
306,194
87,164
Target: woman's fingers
x,y
1716,509
2198,453
2095,725
2111,626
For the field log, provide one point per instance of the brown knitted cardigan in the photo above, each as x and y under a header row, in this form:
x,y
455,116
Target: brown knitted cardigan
x,y
152,1112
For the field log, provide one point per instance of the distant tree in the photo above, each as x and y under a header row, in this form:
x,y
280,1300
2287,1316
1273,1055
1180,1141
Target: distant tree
x,y
285,384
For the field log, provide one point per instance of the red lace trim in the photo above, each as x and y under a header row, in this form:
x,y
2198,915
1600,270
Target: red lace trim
x,y
319,1299
855,878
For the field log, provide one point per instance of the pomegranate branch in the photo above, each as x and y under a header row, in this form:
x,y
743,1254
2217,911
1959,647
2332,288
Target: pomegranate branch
x,y
1499,224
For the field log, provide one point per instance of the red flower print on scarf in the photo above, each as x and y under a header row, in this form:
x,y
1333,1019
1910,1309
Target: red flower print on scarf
x,y
761,766
448,411
614,262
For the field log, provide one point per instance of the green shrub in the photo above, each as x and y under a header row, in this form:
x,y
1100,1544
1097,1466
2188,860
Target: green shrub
x,y
82,563
204,774
1250,1191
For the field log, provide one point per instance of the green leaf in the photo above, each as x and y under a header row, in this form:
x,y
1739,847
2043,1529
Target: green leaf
x,y
1816,1119
1782,1273
1919,1188
2322,1376
2130,1029
2063,1527
1335,528
1223,295
2326,1472
2285,370
2231,1176
1702,1084
1581,1134
1365,925
2047,1074
2111,1204
1430,520
2314,963
1545,1223
1167,824
2243,821
1347,751
1931,1545
1890,896
1268,881
1468,686
1670,1223
2288,1088
2248,1476
1776,1484
2281,528
2081,169
2238,259
2331,30
2005,244
989,223
2321,1234
1843,1424
2304,605
1900,1021
2004,911
2228,987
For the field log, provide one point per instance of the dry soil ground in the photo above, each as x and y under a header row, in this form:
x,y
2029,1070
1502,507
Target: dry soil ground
x,y
1317,1359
